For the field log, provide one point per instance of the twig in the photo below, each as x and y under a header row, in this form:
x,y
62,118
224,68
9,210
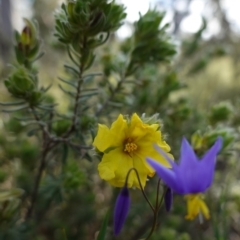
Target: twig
x,y
119,85
50,141
37,182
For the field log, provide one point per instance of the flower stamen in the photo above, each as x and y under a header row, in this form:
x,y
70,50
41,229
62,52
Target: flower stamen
x,y
195,206
130,147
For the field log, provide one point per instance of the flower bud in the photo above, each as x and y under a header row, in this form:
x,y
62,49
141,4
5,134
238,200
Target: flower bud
x,y
20,83
168,199
121,210
28,44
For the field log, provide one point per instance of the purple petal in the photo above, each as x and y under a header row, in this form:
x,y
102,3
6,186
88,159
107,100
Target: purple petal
x,y
166,174
208,162
171,162
197,175
168,199
189,171
188,155
121,210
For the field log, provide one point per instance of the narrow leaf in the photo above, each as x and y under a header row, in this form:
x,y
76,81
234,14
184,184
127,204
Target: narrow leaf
x,y
32,132
90,89
90,76
38,57
74,70
72,94
15,109
103,229
115,104
42,107
89,94
67,82
71,57
47,88
33,122
12,103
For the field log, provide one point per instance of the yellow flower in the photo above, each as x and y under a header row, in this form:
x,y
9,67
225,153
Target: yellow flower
x,y
126,145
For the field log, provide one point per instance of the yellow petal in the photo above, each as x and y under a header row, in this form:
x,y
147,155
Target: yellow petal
x,y
143,170
137,128
116,163
112,137
100,141
114,168
146,148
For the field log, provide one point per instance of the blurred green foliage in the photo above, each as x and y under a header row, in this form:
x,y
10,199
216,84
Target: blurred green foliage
x,y
102,78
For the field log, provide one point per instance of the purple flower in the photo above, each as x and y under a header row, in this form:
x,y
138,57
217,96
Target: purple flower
x,y
121,210
191,176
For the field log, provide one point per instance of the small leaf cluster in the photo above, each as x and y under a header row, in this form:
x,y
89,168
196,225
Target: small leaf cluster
x,y
23,84
148,46
27,44
78,19
151,43
86,25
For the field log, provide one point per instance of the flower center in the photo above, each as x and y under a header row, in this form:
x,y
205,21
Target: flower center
x,y
130,147
195,206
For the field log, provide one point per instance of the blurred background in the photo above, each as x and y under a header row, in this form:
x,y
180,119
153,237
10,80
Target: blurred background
x,y
198,96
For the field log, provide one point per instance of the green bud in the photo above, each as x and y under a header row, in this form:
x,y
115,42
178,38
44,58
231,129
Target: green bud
x,y
87,121
28,45
20,83
151,42
26,36
35,98
70,8
61,126
197,140
220,112
97,24
3,176
80,20
154,119
201,142
14,126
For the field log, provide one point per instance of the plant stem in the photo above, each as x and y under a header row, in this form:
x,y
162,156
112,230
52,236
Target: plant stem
x,y
156,211
36,184
119,85
76,106
144,194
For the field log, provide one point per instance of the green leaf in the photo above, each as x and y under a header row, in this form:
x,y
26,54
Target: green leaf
x,y
115,104
12,103
72,58
15,109
10,194
83,95
67,82
38,57
72,69
102,233
47,88
70,93
32,132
